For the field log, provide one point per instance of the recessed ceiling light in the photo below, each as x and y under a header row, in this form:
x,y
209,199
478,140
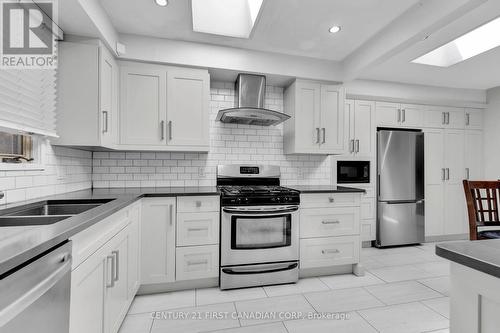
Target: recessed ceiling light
x,y
473,43
334,29
233,18
162,3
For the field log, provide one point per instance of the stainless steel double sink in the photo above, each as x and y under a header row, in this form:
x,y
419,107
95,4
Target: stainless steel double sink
x,y
47,212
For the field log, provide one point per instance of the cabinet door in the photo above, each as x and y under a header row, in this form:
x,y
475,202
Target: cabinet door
x,y
134,250
349,127
307,117
364,128
454,198
456,118
187,107
116,300
143,106
332,119
434,116
411,115
474,119
87,295
108,92
473,155
388,114
158,240
434,178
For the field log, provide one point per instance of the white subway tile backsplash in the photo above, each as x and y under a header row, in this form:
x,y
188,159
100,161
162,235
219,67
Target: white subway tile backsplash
x,y
229,143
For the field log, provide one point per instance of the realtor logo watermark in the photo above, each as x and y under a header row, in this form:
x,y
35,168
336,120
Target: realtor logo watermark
x,y
28,41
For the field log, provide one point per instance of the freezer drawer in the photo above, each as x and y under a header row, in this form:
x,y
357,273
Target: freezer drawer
x,y
400,223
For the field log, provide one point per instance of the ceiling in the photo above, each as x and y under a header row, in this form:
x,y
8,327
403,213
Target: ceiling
x,y
480,72
295,27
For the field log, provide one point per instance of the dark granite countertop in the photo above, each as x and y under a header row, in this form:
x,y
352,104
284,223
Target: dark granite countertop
x,y
482,255
325,189
19,244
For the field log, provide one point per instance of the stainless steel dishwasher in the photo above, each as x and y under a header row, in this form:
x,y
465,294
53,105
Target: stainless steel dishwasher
x,y
35,297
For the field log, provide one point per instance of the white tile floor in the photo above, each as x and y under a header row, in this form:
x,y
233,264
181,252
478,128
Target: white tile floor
x,y
404,290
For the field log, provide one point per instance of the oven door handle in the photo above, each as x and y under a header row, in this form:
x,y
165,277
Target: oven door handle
x,y
260,212
273,269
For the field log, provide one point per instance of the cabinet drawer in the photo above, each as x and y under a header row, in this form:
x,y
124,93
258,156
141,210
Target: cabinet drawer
x,y
329,251
197,228
326,200
198,204
321,222
197,262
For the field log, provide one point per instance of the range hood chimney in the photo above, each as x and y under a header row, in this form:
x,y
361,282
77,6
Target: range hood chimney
x,y
250,94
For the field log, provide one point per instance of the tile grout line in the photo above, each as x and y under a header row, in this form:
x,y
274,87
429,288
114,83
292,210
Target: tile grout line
x,y
432,288
368,291
428,307
366,320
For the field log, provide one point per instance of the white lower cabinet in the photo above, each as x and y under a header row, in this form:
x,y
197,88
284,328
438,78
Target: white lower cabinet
x,y
329,251
197,262
180,239
104,282
330,230
158,240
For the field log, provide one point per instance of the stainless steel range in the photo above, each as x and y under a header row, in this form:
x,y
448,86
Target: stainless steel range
x,y
259,227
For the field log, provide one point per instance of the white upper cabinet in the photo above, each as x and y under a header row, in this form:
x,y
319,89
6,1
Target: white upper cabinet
x,y
399,115
360,128
317,123
444,117
143,106
187,107
164,108
87,106
474,119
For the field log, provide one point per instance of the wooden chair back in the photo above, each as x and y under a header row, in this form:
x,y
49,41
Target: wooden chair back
x,y
482,205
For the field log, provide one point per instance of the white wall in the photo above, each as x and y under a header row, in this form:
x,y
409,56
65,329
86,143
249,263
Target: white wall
x,y
65,170
229,143
492,135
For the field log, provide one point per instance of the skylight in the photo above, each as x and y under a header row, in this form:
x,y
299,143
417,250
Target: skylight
x,y
478,41
233,18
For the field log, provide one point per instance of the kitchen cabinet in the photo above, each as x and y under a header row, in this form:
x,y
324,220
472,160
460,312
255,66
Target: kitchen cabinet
x,y
164,108
104,271
317,118
158,240
87,99
399,115
444,171
473,119
360,126
134,250
329,231
444,117
473,155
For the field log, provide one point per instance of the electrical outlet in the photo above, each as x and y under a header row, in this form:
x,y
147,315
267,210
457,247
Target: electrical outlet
x,y
201,172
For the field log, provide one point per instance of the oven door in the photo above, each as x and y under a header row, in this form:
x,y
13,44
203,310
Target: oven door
x,y
255,235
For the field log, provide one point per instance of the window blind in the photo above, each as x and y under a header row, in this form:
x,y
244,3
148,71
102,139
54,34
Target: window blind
x,y
28,101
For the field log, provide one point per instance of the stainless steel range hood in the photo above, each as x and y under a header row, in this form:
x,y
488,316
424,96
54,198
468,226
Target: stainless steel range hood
x,y
250,94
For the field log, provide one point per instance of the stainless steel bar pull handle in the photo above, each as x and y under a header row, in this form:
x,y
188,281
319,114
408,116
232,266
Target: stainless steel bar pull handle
x,y
357,146
317,134
328,251
443,174
404,116
197,262
324,135
447,173
399,115
444,118
171,213
162,130
467,119
116,254
330,222
447,118
105,121
170,134
467,173
111,282
351,146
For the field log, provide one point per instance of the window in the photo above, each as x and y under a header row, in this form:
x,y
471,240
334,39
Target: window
x,y
15,148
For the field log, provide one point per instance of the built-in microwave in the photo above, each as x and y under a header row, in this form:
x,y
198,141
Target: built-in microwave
x,y
351,172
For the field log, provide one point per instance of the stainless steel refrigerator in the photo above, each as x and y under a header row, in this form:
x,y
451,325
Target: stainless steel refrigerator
x,y
400,186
